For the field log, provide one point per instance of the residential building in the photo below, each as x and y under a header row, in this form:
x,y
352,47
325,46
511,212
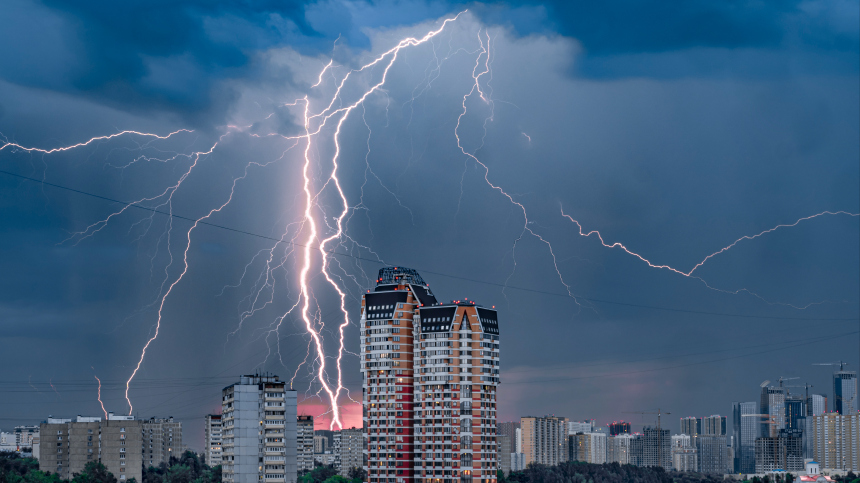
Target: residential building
x,y
325,459
329,435
545,439
348,448
619,427
24,435
714,425
430,375
304,443
712,454
212,439
512,431
619,449
845,392
503,443
7,442
518,461
836,441
258,431
691,426
115,442
320,444
773,404
781,453
685,459
656,447
162,438
745,431
587,447
574,427
682,441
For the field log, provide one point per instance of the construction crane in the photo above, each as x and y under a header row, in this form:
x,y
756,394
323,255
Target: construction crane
x,y
659,432
841,364
782,379
770,419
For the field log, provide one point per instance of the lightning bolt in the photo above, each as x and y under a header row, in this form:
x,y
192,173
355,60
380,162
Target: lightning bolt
x,y
100,397
311,241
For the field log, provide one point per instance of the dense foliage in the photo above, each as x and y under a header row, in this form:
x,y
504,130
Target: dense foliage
x,y
186,469
327,474
578,472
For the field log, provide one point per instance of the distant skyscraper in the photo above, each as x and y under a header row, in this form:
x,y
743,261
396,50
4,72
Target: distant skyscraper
x,y
745,431
258,431
503,443
304,443
773,404
845,392
691,426
795,412
713,426
544,439
212,439
619,427
816,404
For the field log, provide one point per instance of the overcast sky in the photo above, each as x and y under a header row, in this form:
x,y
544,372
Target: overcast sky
x,y
674,130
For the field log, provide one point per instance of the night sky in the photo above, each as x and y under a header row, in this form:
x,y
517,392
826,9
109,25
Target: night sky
x,y
673,128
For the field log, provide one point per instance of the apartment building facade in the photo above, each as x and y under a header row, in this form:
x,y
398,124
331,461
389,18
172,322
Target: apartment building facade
x,y
162,439
544,439
430,375
212,439
258,431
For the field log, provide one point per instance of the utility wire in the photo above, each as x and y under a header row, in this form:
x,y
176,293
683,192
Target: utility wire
x,y
456,277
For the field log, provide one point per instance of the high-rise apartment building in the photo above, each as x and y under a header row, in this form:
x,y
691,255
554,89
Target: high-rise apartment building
x,y
512,431
836,441
712,454
574,427
544,439
320,444
772,404
745,431
430,376
115,442
619,427
258,431
691,426
304,443
162,438
212,439
619,449
503,445
845,392
656,447
714,425
348,449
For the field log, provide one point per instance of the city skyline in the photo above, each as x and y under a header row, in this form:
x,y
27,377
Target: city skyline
x,y
245,180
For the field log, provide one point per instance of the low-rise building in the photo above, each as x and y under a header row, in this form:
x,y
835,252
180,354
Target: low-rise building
x,y
66,445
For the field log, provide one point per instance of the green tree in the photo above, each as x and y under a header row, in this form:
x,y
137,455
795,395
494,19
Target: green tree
x,y
94,472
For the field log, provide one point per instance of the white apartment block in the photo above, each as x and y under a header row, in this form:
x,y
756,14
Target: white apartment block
x,y
304,443
258,431
212,439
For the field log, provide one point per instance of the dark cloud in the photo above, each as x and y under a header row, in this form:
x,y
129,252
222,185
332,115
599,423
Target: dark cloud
x,y
674,136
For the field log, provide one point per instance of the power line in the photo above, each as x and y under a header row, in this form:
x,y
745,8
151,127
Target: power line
x,y
456,277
